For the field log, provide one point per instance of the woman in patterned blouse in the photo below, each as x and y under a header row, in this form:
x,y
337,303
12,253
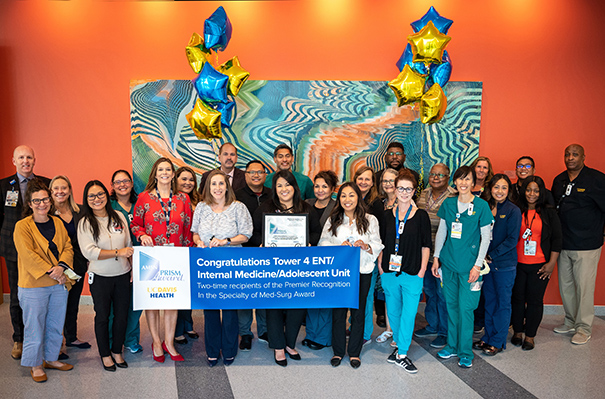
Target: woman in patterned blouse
x,y
162,216
219,220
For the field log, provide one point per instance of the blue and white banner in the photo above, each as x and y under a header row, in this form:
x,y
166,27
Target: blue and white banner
x,y
246,278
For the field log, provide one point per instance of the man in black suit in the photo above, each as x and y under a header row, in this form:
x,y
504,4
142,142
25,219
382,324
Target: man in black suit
x,y
13,189
227,157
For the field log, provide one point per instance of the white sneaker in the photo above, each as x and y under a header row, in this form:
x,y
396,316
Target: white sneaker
x,y
384,337
580,338
564,329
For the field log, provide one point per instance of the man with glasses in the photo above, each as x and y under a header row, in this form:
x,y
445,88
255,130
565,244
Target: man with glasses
x,y
13,192
526,167
284,158
435,311
252,196
227,157
395,159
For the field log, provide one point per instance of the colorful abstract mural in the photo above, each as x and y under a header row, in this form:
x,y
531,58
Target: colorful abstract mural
x,y
337,125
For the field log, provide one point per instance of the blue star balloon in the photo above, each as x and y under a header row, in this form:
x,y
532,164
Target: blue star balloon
x,y
440,73
226,110
406,59
211,85
442,24
217,30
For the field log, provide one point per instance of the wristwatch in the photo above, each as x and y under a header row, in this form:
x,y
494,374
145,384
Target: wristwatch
x,y
228,241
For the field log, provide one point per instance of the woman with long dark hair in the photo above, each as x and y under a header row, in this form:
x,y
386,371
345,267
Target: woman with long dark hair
x,y
350,224
286,198
537,252
105,241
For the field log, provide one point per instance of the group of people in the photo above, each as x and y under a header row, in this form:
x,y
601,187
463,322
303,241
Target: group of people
x,y
482,252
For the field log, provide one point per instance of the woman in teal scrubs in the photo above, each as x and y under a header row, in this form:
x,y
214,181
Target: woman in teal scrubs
x,y
460,248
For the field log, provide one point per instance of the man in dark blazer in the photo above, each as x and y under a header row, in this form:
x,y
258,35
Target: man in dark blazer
x,y
227,157
13,189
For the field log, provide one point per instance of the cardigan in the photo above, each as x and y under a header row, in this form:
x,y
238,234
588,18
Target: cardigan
x,y
34,256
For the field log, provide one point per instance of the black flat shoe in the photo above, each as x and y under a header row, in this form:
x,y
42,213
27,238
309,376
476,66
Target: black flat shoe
x,y
282,363
314,345
180,341
527,346
479,345
192,334
63,356
355,363
517,341
335,361
81,345
491,350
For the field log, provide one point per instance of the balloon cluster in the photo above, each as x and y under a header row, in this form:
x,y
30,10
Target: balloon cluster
x,y
215,85
425,67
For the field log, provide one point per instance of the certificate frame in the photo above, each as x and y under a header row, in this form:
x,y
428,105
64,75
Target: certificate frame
x,y
285,230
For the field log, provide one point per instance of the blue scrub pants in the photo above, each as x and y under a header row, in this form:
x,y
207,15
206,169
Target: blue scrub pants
x,y
319,326
498,289
368,328
461,302
435,311
402,295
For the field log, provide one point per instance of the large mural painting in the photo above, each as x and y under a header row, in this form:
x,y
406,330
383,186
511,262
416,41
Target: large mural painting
x,y
337,125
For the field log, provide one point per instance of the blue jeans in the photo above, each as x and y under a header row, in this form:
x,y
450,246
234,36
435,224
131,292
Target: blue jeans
x,y
43,316
435,311
221,335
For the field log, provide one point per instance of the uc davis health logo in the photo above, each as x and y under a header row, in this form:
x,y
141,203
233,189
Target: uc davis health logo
x,y
150,267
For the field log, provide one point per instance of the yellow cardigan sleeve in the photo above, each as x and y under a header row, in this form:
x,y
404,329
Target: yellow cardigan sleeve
x,y
35,259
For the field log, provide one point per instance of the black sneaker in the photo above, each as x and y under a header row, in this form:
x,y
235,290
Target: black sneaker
x,y
407,365
245,344
264,338
393,356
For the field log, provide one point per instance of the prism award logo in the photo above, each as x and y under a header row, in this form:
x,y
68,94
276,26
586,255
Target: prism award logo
x,y
150,267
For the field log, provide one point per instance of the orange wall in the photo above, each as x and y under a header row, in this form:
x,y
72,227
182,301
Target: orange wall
x,y
65,68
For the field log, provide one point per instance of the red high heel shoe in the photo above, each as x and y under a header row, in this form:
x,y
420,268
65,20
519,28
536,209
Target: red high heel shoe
x,y
159,359
177,358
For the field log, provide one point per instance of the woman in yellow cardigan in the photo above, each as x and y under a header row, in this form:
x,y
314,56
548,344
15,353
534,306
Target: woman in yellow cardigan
x,y
44,254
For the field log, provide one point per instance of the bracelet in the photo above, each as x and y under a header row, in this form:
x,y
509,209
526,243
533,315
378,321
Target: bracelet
x,y
116,254
477,268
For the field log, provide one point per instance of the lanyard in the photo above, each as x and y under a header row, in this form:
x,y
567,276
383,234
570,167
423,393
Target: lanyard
x,y
166,210
469,210
530,224
399,227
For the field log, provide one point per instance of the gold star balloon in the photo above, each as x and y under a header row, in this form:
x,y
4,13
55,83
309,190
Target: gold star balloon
x,y
197,53
205,122
408,86
428,44
433,104
237,74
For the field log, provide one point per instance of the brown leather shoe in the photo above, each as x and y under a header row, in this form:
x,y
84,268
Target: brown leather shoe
x,y
17,350
64,367
39,378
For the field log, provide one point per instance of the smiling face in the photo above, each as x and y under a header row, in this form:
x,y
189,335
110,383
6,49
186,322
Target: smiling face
x,y
255,175
283,159
574,157
394,157
464,184
365,181
24,160
388,183
285,191
500,191
122,184
532,193
481,170
404,191
525,168
185,182
438,177
218,188
321,189
164,174
228,157
42,207
97,199
60,191
348,199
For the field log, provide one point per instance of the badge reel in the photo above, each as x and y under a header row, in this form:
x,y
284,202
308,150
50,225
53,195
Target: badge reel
x,y
91,278
12,197
568,189
476,286
529,247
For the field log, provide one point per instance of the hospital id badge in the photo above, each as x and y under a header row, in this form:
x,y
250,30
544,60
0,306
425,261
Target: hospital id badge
x,y
529,248
395,263
456,230
11,198
476,286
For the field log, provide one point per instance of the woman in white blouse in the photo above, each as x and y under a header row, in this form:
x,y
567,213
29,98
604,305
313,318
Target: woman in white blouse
x,y
220,220
104,239
350,224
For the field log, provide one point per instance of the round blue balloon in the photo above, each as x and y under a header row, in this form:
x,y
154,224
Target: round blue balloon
x,y
407,59
211,85
217,30
226,110
442,24
440,73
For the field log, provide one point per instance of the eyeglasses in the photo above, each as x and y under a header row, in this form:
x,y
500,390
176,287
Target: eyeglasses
x,y
439,175
256,172
91,197
395,153
38,201
528,166
390,181
405,189
118,182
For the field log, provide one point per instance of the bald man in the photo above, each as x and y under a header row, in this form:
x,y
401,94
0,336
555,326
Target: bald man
x,y
579,193
13,189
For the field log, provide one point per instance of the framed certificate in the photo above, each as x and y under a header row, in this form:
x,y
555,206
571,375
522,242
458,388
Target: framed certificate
x,y
285,230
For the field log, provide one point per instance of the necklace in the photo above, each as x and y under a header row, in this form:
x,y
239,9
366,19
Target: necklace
x,y
431,203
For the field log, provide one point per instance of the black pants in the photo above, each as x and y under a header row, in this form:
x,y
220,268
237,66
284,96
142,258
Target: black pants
x,y
277,319
15,310
107,292
528,299
70,330
339,322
